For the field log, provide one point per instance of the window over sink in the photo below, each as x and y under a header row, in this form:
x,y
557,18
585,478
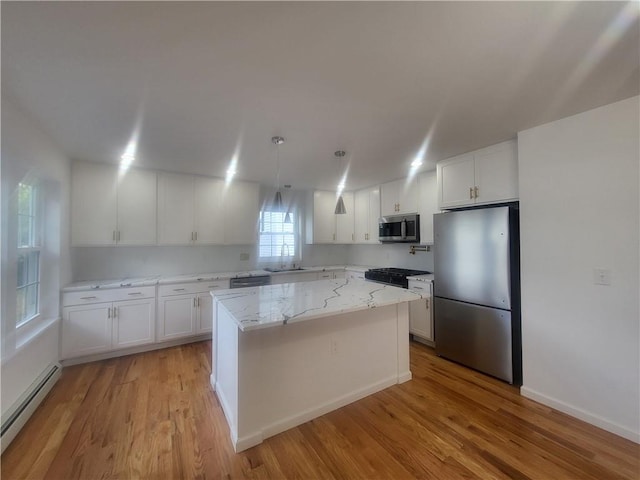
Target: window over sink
x,y
279,239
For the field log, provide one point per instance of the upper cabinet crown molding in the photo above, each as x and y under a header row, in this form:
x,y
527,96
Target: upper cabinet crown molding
x,y
109,207
485,176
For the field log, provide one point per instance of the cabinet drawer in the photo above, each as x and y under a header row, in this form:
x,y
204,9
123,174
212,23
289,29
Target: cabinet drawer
x,y
190,288
111,295
423,288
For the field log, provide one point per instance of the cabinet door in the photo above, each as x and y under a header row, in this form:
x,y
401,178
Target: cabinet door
x,y
86,329
408,196
496,171
175,209
209,213
93,204
177,316
367,214
389,198
205,313
344,222
324,218
427,204
137,202
361,216
134,322
241,211
374,214
420,318
456,180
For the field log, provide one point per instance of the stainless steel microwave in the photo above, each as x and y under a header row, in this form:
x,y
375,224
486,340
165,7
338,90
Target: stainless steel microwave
x,y
399,228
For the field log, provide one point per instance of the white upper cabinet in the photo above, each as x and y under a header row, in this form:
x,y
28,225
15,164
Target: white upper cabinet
x,y
398,197
137,208
197,210
427,204
208,227
488,175
189,210
366,215
176,207
344,221
326,226
112,208
241,213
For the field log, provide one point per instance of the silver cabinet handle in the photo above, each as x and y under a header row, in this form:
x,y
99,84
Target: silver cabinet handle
x,y
178,289
118,235
135,293
195,302
417,288
109,312
213,286
198,302
87,298
475,191
113,237
471,193
196,236
115,312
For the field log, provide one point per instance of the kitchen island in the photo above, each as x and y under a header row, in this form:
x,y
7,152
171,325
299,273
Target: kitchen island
x,y
285,354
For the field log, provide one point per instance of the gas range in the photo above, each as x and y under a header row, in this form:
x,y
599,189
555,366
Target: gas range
x,y
392,276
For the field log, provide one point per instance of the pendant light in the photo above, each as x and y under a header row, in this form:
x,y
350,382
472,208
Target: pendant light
x,y
340,208
277,200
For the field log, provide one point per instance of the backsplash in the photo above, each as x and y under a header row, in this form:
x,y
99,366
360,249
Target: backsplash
x,y
390,255
99,263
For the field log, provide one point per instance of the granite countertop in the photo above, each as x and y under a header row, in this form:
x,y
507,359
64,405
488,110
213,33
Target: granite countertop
x,y
271,305
194,277
118,283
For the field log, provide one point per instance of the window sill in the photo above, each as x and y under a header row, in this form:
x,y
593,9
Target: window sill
x,y
30,330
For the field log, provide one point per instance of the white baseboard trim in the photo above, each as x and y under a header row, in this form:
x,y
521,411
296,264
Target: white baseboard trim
x,y
405,377
581,414
132,350
17,416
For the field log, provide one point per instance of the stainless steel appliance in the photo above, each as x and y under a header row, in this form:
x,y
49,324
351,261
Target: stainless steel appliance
x,y
399,229
392,276
477,290
256,281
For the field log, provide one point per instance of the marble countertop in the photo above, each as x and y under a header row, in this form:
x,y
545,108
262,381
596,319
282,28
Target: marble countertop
x,y
194,277
271,305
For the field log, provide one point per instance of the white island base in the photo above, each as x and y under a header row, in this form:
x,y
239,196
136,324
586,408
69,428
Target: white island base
x,y
271,379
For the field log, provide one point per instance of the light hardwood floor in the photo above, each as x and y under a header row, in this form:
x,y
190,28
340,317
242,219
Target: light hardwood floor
x,y
153,415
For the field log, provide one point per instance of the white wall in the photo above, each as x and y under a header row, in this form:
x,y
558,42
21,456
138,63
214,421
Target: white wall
x,y
28,153
579,210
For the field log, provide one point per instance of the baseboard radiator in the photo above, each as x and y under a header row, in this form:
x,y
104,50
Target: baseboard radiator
x,y
24,407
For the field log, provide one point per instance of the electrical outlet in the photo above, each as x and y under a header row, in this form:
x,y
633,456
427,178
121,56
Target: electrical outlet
x,y
601,276
244,256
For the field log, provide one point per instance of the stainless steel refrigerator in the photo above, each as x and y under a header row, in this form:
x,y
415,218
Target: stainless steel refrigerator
x,y
477,290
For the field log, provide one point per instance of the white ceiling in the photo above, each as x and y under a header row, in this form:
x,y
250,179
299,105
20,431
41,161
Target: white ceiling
x,y
385,81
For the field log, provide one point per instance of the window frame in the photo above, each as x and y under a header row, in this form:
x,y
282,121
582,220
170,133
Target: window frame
x,y
294,253
27,250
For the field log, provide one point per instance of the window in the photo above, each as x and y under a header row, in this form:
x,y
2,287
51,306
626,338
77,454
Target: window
x,y
277,238
28,271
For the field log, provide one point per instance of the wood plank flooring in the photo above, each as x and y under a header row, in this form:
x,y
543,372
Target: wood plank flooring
x,y
153,415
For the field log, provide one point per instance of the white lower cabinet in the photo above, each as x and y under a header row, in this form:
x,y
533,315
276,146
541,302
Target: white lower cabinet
x,y
421,312
96,322
185,309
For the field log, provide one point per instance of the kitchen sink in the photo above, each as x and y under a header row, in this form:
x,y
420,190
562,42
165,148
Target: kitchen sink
x,y
276,270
